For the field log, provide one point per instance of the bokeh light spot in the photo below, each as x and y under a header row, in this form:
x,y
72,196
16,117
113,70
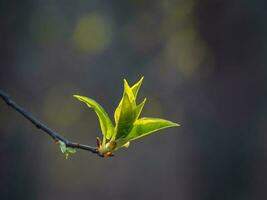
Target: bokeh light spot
x,y
186,52
92,33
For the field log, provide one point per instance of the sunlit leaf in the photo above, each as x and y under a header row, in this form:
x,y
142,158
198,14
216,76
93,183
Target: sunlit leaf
x,y
146,126
125,114
135,88
126,145
128,126
129,91
139,108
104,120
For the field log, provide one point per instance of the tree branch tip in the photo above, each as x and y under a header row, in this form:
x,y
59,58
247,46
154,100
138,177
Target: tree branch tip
x,y
54,135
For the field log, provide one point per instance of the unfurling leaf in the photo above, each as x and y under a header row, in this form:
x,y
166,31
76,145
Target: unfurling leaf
x,y
145,126
66,150
127,125
125,113
139,108
135,88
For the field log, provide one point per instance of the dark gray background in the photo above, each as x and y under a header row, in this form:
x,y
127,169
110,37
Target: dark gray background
x,y
204,64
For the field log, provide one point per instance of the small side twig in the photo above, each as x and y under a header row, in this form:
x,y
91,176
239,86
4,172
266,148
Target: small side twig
x,y
54,135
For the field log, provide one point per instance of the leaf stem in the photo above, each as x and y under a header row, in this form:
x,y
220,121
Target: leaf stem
x,y
53,134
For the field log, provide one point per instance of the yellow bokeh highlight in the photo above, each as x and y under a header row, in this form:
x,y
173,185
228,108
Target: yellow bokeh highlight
x,y
92,33
186,52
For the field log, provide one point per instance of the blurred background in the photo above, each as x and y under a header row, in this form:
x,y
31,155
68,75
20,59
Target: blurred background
x,y
204,64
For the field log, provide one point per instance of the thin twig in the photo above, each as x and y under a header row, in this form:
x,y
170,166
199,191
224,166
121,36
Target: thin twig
x,y
54,135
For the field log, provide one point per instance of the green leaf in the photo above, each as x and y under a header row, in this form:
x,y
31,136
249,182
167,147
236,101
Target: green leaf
x,y
135,88
146,126
62,146
133,94
125,114
139,108
66,150
129,91
125,92
104,120
128,126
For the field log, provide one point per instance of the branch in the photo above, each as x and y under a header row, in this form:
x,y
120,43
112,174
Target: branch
x,y
54,135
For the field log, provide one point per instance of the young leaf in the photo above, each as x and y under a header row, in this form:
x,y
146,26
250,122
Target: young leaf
x,y
127,91
139,108
146,126
128,126
135,87
125,114
62,146
66,150
104,120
